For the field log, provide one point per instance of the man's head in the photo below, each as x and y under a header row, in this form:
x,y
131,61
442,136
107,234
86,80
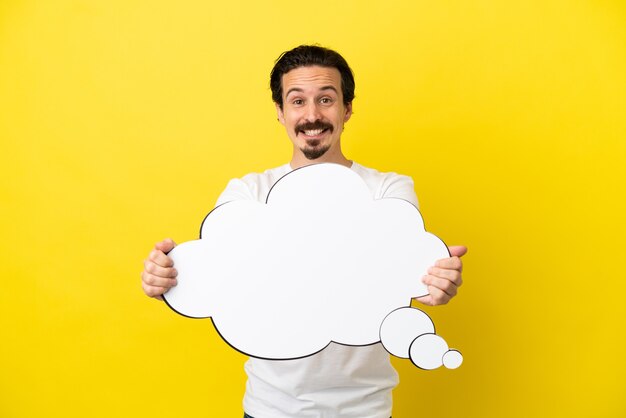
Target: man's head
x,y
313,88
308,56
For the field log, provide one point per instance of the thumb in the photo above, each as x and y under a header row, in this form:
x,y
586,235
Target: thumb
x,y
426,300
457,250
166,245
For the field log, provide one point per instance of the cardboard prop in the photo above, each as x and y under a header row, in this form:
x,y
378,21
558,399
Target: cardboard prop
x,y
321,261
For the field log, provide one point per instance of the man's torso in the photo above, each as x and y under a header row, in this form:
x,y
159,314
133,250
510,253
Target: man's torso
x,y
339,381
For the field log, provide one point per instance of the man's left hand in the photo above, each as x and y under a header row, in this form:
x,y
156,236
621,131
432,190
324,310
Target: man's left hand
x,y
444,278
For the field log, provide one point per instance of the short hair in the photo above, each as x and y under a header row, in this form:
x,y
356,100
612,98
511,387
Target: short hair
x,y
307,56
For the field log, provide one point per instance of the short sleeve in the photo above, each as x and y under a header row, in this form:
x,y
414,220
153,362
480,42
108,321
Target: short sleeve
x,y
400,187
236,189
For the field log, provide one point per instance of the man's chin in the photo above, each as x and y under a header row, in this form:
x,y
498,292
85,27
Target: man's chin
x,y
313,153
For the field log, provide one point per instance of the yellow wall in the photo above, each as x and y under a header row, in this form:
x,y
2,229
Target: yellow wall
x,y
121,121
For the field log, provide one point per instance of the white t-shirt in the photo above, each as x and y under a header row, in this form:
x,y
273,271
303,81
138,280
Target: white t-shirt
x,y
339,381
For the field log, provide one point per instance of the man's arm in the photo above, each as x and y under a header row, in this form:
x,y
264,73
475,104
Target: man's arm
x,y
444,278
159,274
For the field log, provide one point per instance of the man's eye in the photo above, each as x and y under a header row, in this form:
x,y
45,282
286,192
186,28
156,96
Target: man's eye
x,y
326,100
298,102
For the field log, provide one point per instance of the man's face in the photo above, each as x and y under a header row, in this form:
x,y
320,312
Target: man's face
x,y
313,110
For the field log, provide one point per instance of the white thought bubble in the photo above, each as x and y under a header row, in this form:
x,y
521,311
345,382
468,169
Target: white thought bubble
x,y
320,261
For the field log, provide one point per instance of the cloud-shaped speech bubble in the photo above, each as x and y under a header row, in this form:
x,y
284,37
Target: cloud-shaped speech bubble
x,y
320,261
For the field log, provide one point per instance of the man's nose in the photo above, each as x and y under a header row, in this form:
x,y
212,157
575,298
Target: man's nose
x,y
313,112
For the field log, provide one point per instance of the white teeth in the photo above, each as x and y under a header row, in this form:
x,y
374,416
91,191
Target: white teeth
x,y
313,132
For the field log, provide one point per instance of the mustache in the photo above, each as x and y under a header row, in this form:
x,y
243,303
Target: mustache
x,y
318,124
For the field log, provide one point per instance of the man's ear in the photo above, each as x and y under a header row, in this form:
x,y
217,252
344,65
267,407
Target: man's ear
x,y
348,112
279,113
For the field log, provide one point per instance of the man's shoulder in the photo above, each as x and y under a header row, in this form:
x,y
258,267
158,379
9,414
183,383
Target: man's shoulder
x,y
252,186
387,184
379,178
271,175
369,172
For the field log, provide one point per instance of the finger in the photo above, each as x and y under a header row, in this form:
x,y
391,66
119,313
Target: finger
x,y
158,257
157,270
166,245
153,291
453,275
457,250
438,296
450,263
426,300
443,285
152,280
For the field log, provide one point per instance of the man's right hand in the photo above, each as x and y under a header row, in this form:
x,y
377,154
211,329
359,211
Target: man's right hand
x,y
159,274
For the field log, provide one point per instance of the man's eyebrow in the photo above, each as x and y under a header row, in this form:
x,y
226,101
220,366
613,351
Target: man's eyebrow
x,y
299,90
294,89
329,88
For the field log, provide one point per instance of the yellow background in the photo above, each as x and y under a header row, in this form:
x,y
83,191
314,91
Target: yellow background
x,y
121,122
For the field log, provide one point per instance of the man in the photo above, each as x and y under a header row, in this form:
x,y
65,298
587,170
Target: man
x,y
313,88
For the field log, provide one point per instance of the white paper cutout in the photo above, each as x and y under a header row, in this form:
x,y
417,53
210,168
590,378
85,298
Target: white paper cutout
x,y
410,333
321,261
401,327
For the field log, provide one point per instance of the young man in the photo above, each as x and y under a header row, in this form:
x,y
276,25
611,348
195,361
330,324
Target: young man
x,y
313,88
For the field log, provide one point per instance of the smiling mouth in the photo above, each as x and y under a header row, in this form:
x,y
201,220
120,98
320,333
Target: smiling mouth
x,y
313,132
314,129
